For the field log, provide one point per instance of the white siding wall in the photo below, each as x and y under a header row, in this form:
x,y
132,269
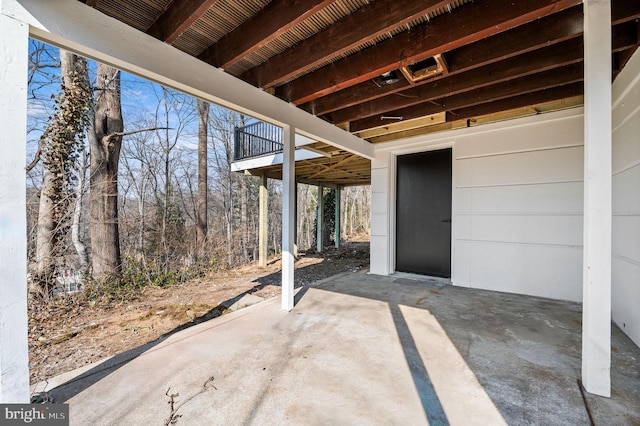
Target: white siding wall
x,y
517,204
380,215
626,200
518,208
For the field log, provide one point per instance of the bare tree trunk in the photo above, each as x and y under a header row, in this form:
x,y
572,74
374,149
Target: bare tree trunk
x,y
141,253
165,211
203,122
79,245
105,140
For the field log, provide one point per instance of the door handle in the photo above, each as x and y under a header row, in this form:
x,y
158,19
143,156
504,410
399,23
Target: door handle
x,y
446,221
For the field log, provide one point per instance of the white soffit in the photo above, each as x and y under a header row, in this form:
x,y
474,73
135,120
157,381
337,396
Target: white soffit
x,y
271,160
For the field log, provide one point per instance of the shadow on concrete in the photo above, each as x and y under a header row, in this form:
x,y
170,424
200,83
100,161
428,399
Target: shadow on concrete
x,y
67,389
428,396
525,351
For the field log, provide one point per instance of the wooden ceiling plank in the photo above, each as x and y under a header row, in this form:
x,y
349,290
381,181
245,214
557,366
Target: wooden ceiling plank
x,y
422,122
270,23
326,168
554,56
449,125
466,24
624,11
346,160
541,81
537,97
370,21
536,109
561,102
178,17
555,28
543,32
547,79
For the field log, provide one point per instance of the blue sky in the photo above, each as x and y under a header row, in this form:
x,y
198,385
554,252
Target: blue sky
x,y
140,100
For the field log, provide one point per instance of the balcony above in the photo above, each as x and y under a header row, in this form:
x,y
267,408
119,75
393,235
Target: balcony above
x,y
256,140
258,150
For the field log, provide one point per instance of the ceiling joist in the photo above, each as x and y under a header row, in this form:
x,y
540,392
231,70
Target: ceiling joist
x,y
180,15
274,20
366,23
555,56
544,32
469,23
544,80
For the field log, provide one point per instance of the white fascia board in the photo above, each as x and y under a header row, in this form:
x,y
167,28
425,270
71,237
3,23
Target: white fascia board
x,y
271,160
74,26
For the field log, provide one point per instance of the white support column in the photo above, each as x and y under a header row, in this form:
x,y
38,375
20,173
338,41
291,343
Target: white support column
x,y
295,235
381,261
263,224
337,216
288,216
320,220
14,355
596,305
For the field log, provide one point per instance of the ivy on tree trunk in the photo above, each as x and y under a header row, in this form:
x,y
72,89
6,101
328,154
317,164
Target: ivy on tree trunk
x,y
59,148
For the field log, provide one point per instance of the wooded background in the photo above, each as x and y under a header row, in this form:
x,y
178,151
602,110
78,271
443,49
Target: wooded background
x,y
124,174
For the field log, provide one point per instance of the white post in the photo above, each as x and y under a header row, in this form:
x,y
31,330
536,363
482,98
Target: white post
x,y
288,216
295,234
263,225
596,304
14,355
337,217
320,220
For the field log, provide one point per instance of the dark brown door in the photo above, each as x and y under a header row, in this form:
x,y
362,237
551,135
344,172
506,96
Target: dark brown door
x,y
423,213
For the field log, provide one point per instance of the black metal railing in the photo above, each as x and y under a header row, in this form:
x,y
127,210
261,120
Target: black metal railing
x,y
257,139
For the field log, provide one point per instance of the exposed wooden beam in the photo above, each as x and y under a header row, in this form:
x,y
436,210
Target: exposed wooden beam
x,y
327,168
271,22
554,28
92,3
563,92
306,181
557,27
392,136
542,81
554,56
624,11
547,79
342,162
554,105
321,163
525,38
178,17
540,33
404,125
370,21
466,24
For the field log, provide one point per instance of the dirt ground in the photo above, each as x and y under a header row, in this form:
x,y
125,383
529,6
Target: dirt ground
x,y
64,335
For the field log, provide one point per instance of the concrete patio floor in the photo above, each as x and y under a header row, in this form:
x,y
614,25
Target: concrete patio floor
x,y
359,350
